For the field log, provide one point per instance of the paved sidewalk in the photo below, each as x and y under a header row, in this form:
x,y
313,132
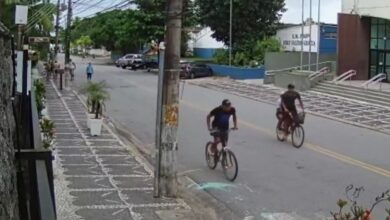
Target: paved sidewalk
x,y
98,177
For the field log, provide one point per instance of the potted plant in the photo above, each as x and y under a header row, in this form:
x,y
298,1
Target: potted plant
x,y
47,132
89,89
97,94
40,97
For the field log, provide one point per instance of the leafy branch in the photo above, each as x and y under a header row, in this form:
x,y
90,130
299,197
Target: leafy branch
x,y
358,212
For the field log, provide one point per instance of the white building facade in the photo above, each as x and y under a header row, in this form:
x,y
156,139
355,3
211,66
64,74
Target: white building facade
x,y
203,44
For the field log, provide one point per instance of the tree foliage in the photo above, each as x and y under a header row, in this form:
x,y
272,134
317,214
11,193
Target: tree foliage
x,y
116,30
252,20
253,56
41,16
129,30
84,41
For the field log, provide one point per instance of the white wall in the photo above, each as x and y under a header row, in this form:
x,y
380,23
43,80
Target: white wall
x,y
371,8
203,39
99,52
290,38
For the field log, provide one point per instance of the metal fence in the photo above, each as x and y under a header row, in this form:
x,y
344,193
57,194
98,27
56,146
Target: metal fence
x,y
36,197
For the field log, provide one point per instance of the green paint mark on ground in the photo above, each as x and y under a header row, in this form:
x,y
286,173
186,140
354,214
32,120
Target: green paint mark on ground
x,y
215,185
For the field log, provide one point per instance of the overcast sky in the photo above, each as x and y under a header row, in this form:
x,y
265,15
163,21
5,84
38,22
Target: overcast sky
x,y
329,10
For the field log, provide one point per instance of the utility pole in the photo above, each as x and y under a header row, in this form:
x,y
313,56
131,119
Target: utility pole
x,y
231,32
57,29
319,35
67,34
170,100
20,37
67,43
302,31
310,27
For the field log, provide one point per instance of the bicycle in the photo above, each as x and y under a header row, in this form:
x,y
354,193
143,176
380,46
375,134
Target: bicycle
x,y
295,130
224,155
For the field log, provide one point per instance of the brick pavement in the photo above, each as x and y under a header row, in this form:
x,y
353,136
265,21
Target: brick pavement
x,y
98,177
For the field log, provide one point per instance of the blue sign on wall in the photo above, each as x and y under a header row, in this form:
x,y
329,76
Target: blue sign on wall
x,y
328,41
238,72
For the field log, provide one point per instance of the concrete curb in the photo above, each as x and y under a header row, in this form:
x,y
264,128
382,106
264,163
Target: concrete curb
x,y
199,201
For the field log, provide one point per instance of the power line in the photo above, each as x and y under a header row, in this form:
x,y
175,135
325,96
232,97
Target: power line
x,y
117,6
38,12
92,6
38,17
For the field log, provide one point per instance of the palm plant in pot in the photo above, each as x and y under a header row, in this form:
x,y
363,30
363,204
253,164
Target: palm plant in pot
x,y
97,94
89,90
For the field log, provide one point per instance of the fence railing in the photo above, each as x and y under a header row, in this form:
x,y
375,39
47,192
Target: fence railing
x,y
345,76
375,80
322,72
330,63
35,174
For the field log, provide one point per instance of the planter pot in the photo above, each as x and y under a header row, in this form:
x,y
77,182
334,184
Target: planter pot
x,y
96,126
44,112
90,116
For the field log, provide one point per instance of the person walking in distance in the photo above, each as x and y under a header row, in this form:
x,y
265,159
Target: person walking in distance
x,y
89,71
72,68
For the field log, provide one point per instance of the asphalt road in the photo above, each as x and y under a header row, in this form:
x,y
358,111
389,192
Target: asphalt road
x,y
273,177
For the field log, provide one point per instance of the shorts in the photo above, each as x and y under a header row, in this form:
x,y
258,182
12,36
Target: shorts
x,y
223,135
279,113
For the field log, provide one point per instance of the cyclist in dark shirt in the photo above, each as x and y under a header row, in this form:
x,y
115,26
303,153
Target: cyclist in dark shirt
x,y
219,128
288,103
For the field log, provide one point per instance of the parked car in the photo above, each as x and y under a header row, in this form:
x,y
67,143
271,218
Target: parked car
x,y
193,70
147,62
127,60
136,63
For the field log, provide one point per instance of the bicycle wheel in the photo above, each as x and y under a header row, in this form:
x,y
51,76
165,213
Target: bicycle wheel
x,y
211,159
298,136
229,165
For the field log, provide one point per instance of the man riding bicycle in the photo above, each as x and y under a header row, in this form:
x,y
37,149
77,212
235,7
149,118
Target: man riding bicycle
x,y
290,115
219,128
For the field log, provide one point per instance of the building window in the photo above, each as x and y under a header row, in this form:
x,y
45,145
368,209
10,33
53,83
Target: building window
x,y
374,30
330,36
374,44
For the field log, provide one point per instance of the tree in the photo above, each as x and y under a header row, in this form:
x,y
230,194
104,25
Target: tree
x,y
117,30
40,17
252,20
253,56
84,42
262,47
153,14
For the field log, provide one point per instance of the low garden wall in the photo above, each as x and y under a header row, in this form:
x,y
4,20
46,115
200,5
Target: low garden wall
x,y
238,72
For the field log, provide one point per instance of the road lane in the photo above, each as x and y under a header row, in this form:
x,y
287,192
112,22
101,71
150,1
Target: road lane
x,y
273,176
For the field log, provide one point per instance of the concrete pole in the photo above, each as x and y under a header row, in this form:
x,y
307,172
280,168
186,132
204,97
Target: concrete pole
x,y
231,33
302,31
57,29
170,100
67,43
319,35
157,169
20,37
310,27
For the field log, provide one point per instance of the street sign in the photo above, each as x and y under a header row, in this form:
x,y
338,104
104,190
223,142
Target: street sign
x,y
39,39
21,13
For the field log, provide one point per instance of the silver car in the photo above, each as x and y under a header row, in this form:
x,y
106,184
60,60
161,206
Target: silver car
x,y
127,60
